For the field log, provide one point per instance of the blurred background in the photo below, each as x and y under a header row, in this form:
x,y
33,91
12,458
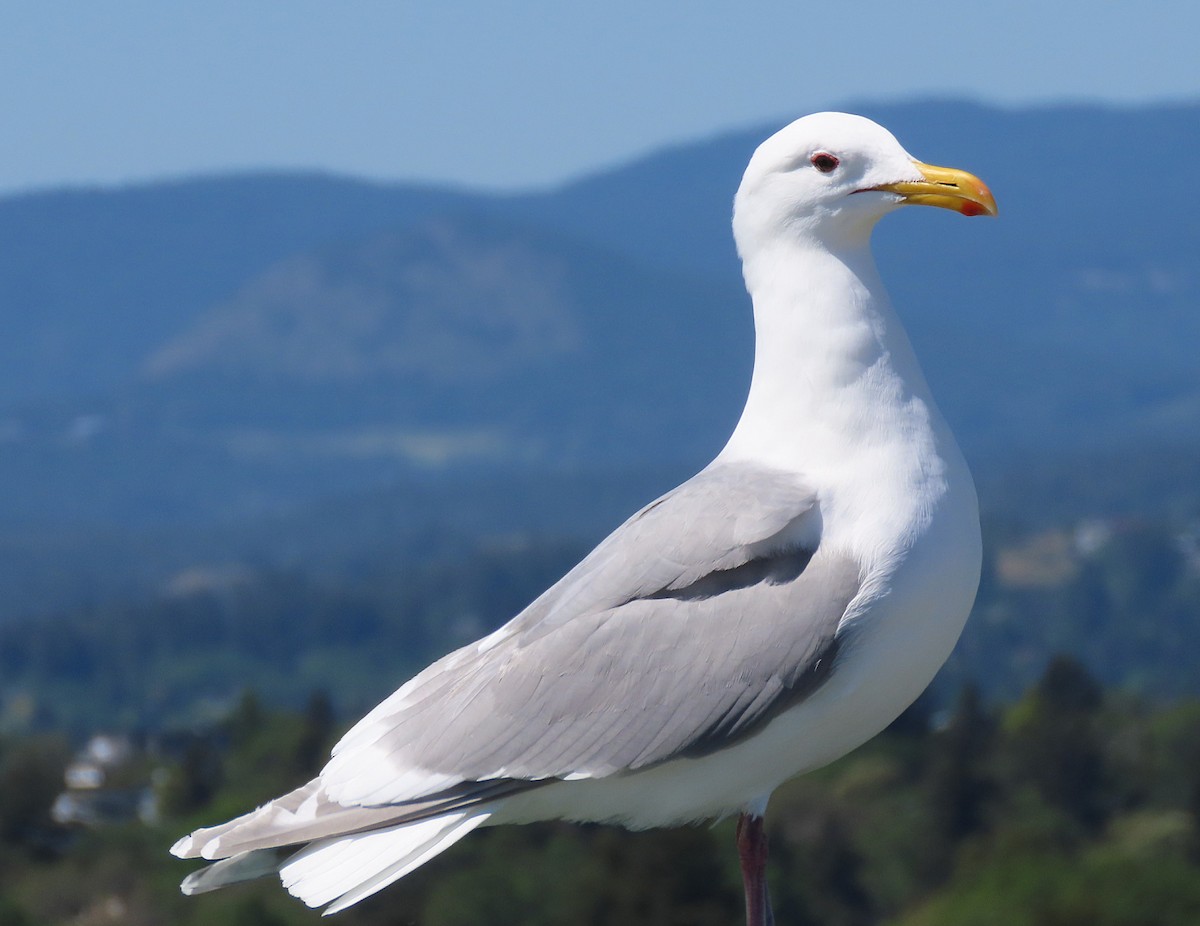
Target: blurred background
x,y
330,335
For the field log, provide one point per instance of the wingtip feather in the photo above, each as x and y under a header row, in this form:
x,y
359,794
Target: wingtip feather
x,y
340,872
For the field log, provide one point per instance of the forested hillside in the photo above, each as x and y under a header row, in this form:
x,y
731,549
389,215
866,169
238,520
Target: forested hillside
x,y
1122,596
1068,806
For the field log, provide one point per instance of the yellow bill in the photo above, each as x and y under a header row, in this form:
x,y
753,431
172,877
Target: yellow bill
x,y
946,187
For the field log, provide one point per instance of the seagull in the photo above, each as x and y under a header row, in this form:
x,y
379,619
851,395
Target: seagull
x,y
769,615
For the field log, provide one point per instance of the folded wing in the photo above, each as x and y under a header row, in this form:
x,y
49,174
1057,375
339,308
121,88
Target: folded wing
x,y
698,620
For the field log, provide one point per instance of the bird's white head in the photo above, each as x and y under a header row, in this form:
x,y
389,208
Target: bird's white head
x,y
830,177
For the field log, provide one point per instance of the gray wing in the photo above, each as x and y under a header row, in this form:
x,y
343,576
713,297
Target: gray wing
x,y
695,622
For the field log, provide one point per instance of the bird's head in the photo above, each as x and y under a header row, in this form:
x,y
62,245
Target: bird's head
x,y
831,176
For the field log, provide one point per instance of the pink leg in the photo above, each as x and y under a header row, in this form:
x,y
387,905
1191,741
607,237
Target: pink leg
x,y
752,850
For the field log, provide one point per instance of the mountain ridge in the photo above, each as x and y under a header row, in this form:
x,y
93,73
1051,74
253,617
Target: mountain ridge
x,y
152,352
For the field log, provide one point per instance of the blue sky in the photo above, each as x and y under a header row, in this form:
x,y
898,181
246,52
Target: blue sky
x,y
523,94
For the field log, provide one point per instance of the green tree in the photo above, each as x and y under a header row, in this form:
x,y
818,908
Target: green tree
x,y
957,780
317,730
194,781
1054,742
31,777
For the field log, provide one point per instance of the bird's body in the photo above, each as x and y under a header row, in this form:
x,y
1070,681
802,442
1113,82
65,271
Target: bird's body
x,y
761,620
883,464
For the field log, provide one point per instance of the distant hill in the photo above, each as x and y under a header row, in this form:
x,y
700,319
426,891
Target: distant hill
x,y
91,281
463,342
217,350
462,336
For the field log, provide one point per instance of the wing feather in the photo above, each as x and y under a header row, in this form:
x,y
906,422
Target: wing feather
x,y
703,616
691,624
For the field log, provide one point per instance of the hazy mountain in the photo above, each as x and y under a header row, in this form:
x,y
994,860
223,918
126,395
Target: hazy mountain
x,y
215,349
1086,284
466,325
91,281
462,341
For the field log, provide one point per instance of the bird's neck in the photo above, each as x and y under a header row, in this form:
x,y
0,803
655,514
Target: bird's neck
x,y
833,368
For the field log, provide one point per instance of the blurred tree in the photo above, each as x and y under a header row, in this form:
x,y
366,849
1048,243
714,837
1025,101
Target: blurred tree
x,y
12,914
601,876
819,865
957,781
192,783
316,733
247,720
1054,742
253,911
31,777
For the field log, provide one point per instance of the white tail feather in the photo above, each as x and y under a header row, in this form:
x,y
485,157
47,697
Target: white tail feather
x,y
245,866
345,870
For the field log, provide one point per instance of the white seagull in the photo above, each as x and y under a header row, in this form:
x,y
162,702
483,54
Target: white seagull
x,y
769,615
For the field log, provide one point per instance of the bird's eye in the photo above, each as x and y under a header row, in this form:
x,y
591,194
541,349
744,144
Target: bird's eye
x,y
824,162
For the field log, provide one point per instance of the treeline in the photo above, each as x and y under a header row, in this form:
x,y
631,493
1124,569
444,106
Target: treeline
x,y
176,658
1121,595
1126,602
1069,806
